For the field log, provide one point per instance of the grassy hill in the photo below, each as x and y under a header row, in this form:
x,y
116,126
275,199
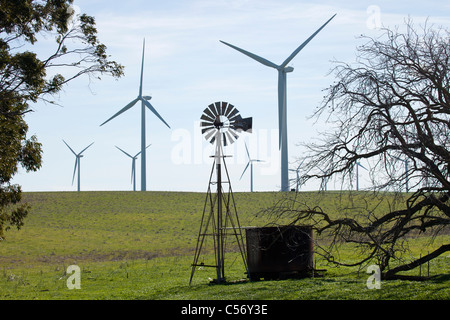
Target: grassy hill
x,y
139,245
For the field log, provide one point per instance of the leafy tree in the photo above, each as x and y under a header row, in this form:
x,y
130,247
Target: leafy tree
x,y
26,78
392,105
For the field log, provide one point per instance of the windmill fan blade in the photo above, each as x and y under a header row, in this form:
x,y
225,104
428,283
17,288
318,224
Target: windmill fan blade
x,y
233,114
253,56
224,138
207,112
218,108
284,64
224,106
207,129
233,133
207,118
206,124
154,111
209,135
213,110
230,137
229,108
128,106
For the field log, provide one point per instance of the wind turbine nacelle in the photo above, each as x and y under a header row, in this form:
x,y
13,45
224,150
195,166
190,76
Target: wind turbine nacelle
x,y
288,69
146,97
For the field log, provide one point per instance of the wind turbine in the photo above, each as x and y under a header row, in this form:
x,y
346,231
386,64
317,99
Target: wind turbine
x,y
144,103
325,179
297,174
78,157
282,69
250,162
133,165
405,161
357,174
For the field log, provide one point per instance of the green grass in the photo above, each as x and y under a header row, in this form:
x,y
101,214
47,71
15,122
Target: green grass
x,y
135,245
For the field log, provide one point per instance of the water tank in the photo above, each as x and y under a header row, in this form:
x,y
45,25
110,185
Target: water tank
x,y
279,252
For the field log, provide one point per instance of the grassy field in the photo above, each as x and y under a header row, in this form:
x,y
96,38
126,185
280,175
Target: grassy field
x,y
139,245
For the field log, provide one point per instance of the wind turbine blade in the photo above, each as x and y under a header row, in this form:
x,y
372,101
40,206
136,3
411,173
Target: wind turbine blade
x,y
248,154
70,148
128,106
75,169
141,151
154,111
244,170
253,56
293,54
142,69
86,148
359,164
133,165
124,152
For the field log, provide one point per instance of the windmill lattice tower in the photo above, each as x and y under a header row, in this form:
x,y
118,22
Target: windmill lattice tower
x,y
220,124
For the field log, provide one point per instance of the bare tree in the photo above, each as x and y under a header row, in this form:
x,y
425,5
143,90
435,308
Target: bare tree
x,y
392,105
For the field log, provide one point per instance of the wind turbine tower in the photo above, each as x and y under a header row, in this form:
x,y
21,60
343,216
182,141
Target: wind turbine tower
x,y
133,165
78,157
250,162
282,69
144,103
357,174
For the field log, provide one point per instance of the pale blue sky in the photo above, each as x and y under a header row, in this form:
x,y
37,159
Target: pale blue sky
x,y
186,69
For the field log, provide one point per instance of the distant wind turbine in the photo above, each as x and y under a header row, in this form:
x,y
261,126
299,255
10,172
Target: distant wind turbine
x,y
78,157
405,161
283,69
325,179
144,103
297,175
250,163
133,165
357,174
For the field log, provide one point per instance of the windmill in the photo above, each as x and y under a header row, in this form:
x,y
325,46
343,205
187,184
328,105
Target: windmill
x,y
144,103
78,157
250,163
357,174
220,125
297,180
133,165
405,161
282,69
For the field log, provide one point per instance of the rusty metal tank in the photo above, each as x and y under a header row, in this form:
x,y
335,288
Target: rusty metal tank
x,y
279,252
